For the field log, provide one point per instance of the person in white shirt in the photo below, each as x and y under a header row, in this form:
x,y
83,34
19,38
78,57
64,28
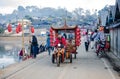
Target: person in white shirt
x,y
86,41
95,38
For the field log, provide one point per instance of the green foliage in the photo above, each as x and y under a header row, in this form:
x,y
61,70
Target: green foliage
x,y
28,17
1,30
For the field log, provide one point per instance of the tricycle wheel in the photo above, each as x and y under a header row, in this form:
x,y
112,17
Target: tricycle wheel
x,y
53,58
61,59
70,58
58,61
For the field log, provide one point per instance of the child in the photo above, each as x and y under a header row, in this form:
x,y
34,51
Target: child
x,y
21,54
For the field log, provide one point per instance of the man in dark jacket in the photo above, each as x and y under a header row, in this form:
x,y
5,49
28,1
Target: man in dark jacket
x,y
34,46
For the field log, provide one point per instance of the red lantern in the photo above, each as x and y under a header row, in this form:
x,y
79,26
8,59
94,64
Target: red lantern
x,y
9,28
19,27
17,30
51,30
77,33
32,29
77,37
78,29
51,40
51,37
51,44
77,43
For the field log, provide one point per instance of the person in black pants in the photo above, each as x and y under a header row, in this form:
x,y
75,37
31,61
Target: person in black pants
x,y
86,40
34,46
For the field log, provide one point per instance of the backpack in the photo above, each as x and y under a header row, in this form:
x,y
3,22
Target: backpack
x,y
92,38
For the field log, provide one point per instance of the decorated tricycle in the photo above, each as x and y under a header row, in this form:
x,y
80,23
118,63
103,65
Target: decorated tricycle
x,y
70,35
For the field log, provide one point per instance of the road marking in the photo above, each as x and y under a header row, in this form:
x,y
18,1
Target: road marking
x,y
111,73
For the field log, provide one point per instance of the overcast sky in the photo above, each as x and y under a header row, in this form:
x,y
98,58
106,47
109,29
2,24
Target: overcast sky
x,y
7,6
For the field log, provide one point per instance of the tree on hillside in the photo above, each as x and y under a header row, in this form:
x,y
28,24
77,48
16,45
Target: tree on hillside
x,y
78,12
28,17
1,30
85,16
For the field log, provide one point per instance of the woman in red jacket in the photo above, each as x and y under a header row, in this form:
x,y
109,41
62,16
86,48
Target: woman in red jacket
x,y
60,40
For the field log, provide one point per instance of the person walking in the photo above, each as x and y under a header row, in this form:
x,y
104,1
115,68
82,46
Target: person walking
x,y
34,46
86,41
94,38
48,45
91,40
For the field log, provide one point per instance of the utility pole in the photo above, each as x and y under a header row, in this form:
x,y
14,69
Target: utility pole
x,y
23,49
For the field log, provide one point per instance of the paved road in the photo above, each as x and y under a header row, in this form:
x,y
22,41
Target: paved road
x,y
86,66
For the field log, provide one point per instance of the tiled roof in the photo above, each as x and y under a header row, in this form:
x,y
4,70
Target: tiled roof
x,y
118,1
112,9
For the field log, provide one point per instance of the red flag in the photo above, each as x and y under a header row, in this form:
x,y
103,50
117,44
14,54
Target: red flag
x,y
9,28
32,29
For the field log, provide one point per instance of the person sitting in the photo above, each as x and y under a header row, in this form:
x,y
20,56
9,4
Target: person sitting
x,y
23,55
70,47
60,40
42,48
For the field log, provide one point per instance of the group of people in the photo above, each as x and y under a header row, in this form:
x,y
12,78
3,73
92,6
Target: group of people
x,y
93,39
32,49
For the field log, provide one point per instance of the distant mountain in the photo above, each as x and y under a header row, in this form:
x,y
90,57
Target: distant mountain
x,y
49,16
33,11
